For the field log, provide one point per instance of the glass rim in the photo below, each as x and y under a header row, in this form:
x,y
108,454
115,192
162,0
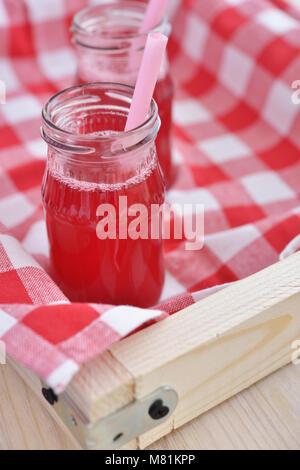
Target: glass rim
x,y
46,116
77,28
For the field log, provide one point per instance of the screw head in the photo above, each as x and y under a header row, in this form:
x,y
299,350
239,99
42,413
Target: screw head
x,y
118,436
49,395
158,410
74,422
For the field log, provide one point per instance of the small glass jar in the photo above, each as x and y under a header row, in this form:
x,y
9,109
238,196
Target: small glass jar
x,y
97,172
110,49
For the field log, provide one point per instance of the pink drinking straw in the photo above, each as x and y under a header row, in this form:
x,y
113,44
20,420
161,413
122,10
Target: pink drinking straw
x,y
153,16
148,75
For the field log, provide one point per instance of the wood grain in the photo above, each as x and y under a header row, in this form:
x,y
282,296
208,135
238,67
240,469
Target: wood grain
x,y
102,386
266,416
25,422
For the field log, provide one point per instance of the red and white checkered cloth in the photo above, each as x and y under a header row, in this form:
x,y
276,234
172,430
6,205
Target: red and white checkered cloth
x,y
237,143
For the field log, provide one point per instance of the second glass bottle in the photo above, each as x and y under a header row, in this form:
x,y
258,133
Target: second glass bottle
x,y
110,49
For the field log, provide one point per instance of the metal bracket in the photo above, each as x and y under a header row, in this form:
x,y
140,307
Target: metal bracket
x,y
118,428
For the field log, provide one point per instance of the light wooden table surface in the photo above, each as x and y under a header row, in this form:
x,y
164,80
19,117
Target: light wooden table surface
x,y
266,416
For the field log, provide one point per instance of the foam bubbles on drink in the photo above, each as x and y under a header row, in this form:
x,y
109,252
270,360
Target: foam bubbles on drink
x,y
149,164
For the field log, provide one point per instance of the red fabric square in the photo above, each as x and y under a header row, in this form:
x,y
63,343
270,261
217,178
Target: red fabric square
x,y
59,322
241,215
43,88
12,289
205,176
21,42
282,155
277,56
28,176
182,135
174,49
282,233
201,83
8,137
171,245
221,276
228,22
240,117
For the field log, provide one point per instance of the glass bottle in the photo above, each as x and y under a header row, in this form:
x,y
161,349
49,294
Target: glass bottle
x,y
110,49
93,168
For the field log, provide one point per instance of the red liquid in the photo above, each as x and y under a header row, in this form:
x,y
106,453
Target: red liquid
x,y
107,271
163,95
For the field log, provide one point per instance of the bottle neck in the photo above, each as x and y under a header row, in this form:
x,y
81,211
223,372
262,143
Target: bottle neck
x,y
117,173
109,43
96,66
83,127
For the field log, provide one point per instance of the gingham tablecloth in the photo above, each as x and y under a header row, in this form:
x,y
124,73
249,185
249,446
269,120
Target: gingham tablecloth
x,y
237,148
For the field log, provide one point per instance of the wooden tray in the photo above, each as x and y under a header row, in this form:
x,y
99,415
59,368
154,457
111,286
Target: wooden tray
x,y
203,355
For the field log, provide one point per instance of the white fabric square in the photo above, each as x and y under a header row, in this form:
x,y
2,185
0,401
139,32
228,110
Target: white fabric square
x,y
236,69
58,64
235,2
279,110
226,245
2,92
189,111
177,157
45,10
198,196
224,148
15,209
8,76
202,294
62,375
6,322
171,287
18,257
20,109
277,21
267,187
59,302
125,319
194,38
36,241
4,21
38,148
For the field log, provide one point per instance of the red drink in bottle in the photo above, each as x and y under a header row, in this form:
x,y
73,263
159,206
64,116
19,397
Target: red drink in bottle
x,y
92,164
110,49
